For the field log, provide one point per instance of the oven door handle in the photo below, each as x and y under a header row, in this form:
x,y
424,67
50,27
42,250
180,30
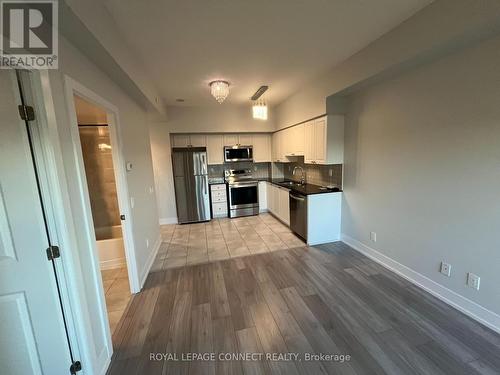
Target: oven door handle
x,y
242,184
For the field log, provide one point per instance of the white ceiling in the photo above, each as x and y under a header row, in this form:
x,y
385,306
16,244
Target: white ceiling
x,y
185,44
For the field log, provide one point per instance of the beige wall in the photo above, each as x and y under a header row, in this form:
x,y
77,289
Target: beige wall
x,y
136,149
437,29
217,118
162,163
422,170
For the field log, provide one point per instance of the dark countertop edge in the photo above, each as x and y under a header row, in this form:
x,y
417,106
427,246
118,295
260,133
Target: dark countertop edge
x,y
278,182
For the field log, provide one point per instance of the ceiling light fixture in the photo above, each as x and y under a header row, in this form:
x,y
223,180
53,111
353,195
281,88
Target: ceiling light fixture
x,y
259,110
260,91
219,90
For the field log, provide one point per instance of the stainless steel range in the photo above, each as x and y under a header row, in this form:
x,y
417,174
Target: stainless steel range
x,y
243,192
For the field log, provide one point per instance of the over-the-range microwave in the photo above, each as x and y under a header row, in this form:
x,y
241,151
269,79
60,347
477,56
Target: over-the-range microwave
x,y
238,153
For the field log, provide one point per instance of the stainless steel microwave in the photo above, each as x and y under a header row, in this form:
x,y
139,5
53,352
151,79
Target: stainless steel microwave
x,y
238,153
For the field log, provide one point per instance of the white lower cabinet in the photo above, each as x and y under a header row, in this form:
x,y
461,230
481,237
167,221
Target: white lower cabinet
x,y
218,197
284,205
263,196
278,202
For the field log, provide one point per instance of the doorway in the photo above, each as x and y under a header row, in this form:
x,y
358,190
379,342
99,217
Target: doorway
x,y
97,146
36,334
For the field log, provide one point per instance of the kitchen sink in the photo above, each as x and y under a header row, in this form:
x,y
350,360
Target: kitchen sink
x,y
290,183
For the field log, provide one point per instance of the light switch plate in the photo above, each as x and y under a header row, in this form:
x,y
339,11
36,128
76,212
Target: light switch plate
x,y
373,236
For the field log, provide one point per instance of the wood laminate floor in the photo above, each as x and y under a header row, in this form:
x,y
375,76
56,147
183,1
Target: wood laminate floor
x,y
325,300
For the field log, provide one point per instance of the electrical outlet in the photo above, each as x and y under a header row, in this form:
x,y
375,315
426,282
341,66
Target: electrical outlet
x,y
330,172
473,281
373,236
147,243
445,269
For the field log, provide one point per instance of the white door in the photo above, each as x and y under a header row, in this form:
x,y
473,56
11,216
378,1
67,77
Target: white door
x,y
215,149
32,334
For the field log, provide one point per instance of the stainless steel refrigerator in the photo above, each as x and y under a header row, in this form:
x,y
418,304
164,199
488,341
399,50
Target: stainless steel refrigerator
x,y
191,184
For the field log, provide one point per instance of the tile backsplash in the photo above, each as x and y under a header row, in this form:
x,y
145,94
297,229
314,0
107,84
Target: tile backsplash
x,y
315,174
259,170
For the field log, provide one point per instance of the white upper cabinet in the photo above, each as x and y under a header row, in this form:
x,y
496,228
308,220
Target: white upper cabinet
x,y
294,144
245,139
238,139
279,144
324,140
261,148
180,140
215,149
189,140
230,139
198,140
309,152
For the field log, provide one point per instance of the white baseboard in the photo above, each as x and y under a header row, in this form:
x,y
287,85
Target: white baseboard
x,y
168,220
465,305
112,263
149,262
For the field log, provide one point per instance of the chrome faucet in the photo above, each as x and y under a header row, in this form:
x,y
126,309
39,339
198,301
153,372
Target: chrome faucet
x,y
302,176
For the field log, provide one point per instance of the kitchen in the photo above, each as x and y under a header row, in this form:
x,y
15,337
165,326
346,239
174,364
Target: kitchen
x,y
295,174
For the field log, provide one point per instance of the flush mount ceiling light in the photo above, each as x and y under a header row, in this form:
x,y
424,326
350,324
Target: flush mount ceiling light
x,y
219,90
259,110
259,106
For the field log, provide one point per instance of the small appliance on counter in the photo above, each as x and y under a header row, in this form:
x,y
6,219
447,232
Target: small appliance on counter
x,y
243,192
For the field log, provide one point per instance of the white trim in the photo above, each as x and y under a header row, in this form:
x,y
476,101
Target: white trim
x,y
73,288
112,263
168,220
73,87
465,305
151,259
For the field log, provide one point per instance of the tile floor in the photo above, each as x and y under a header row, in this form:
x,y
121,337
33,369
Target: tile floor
x,y
221,239
117,293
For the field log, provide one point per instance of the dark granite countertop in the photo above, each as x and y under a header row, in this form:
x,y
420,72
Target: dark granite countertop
x,y
305,189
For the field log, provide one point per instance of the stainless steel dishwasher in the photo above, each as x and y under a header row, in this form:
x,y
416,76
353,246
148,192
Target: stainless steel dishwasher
x,y
298,214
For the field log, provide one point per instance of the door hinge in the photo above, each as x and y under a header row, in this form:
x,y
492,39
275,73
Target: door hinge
x,y
26,112
53,252
75,367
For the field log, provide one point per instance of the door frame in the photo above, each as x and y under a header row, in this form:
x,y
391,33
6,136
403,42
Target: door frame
x,y
72,87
